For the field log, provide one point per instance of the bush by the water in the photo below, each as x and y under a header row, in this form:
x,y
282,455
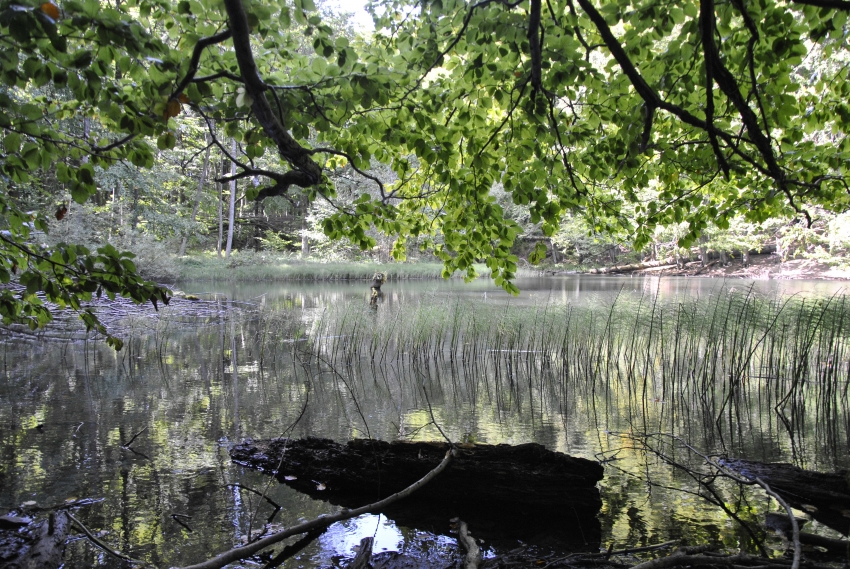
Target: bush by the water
x,y
83,226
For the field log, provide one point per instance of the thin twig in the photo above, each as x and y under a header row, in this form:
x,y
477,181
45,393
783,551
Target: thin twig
x,y
134,438
102,545
176,518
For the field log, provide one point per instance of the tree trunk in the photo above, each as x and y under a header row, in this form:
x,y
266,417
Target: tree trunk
x,y
201,182
232,209
135,222
505,492
703,252
634,267
305,241
220,208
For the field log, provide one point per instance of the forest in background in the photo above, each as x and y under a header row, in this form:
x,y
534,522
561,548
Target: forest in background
x,y
497,134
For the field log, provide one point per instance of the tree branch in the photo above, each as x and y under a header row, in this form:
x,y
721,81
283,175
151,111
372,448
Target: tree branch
x,y
727,83
534,47
202,44
305,171
706,26
320,522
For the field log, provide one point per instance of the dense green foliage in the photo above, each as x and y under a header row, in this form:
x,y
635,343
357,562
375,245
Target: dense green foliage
x,y
632,117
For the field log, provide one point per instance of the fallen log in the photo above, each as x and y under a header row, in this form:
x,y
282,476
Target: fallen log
x,y
666,263
320,523
505,492
780,524
824,496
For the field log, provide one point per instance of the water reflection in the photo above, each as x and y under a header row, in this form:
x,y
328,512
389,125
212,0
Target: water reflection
x,y
197,388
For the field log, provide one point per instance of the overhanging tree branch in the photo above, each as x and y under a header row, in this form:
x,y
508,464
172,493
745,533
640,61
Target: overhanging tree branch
x,y
202,44
706,26
305,172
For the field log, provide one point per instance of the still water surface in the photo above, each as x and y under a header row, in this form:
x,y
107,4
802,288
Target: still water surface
x,y
186,388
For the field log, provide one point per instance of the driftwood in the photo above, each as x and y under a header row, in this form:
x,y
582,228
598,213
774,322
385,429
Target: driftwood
x,y
472,557
361,560
505,492
37,545
666,263
826,497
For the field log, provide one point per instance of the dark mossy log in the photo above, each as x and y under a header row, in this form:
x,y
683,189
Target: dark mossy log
x,y
503,492
824,496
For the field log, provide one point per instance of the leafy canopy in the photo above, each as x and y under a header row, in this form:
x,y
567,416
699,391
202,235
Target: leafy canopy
x,y
714,109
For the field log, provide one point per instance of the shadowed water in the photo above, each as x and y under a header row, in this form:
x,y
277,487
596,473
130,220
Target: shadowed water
x,y
578,364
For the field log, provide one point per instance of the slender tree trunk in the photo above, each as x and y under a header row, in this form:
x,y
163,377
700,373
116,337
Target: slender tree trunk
x,y
232,209
135,221
112,210
305,242
86,134
201,182
220,213
257,225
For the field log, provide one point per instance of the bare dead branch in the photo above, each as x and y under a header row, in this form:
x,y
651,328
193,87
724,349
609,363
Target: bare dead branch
x,y
320,522
113,552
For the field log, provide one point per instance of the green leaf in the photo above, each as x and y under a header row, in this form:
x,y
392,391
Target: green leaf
x,y
12,142
538,254
166,141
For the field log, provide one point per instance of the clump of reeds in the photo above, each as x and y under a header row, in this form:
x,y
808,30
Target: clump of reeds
x,y
719,360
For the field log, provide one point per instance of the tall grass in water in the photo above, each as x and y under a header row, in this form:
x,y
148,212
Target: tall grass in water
x,y
702,363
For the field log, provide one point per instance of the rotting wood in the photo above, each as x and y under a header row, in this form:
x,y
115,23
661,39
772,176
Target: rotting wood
x,y
824,496
105,547
361,560
706,266
631,267
544,496
472,557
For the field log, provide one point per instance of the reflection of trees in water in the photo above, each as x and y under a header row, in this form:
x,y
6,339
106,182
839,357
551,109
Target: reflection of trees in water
x,y
756,377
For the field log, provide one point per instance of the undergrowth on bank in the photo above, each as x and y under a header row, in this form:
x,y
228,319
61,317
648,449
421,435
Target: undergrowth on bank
x,y
249,266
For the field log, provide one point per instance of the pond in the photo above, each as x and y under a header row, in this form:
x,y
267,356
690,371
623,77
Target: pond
x,y
605,368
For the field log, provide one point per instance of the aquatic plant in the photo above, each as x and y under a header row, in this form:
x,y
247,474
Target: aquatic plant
x,y
710,362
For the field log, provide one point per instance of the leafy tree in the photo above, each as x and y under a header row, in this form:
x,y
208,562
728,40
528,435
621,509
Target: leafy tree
x,y
726,108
